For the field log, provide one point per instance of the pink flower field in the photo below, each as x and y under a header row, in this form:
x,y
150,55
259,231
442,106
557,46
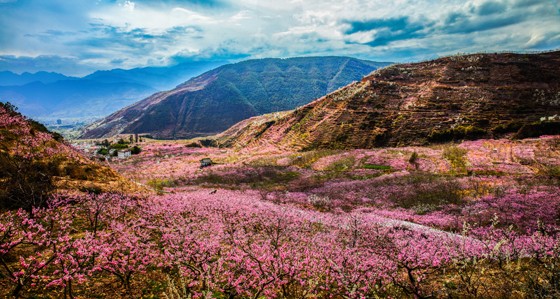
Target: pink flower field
x,y
477,219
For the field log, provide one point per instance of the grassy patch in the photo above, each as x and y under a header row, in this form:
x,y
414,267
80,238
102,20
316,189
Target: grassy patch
x,y
306,159
264,161
159,184
377,167
428,192
457,157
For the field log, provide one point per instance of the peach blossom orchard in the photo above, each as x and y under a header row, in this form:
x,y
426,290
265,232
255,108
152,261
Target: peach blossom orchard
x,y
477,219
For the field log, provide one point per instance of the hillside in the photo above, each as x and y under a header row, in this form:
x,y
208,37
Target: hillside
x,y
50,96
452,98
35,163
217,99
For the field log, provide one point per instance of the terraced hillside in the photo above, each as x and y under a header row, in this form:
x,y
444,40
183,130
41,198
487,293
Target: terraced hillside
x,y
452,98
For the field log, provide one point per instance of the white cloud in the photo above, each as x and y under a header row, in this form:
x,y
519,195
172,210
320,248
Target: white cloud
x,y
141,32
129,5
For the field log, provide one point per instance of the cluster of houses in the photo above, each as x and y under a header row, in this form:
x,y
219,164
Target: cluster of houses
x,y
103,151
93,151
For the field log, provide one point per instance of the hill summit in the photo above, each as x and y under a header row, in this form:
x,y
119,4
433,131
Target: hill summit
x,y
215,100
451,98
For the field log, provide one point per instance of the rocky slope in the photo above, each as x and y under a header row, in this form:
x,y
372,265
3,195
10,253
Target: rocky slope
x,y
217,99
452,98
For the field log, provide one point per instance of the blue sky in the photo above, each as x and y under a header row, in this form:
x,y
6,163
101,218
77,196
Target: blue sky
x,y
76,37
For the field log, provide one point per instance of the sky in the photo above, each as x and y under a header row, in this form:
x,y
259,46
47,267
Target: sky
x,y
76,37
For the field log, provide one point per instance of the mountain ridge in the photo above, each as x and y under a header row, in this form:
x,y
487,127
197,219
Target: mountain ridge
x,y
451,98
219,98
8,78
49,96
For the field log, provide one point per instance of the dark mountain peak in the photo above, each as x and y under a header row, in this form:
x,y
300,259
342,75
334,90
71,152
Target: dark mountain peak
x,y
217,99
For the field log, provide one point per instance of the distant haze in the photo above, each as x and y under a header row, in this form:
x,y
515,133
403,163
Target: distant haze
x,y
50,96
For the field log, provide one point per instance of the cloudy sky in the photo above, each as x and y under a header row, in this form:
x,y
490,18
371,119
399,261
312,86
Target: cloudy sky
x,y
76,37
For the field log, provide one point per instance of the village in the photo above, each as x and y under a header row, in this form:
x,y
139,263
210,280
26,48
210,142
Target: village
x,y
119,147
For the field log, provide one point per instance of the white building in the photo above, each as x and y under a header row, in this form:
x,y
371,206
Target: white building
x,y
123,154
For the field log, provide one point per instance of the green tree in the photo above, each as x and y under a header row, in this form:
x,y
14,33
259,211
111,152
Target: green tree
x,y
135,150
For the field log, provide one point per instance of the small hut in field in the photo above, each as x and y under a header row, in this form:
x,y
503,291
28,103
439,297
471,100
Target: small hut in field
x,y
205,162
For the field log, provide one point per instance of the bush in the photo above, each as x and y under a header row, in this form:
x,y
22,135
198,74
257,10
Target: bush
x,y
553,171
135,150
118,146
538,129
321,203
24,183
457,133
103,151
413,159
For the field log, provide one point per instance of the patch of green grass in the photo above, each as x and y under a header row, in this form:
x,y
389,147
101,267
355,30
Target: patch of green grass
x,y
264,161
363,177
377,166
428,192
264,177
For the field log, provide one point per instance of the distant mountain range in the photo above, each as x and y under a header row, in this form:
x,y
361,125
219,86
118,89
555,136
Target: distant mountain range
x,y
217,99
8,78
45,95
452,98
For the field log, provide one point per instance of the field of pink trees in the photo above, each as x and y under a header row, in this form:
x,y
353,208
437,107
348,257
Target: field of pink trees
x,y
476,219
233,244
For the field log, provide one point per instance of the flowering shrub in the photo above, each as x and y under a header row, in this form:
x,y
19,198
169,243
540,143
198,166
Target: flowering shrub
x,y
321,203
